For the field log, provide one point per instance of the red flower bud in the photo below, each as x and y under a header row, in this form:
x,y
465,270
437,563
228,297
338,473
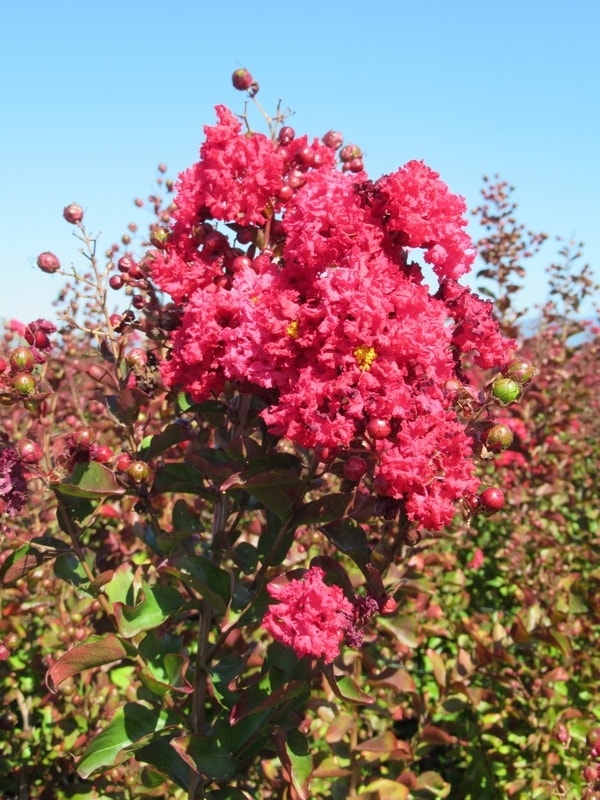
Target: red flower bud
x,y
286,135
388,607
492,499
29,451
48,262
243,81
83,437
378,428
136,357
122,462
73,213
349,152
355,468
356,165
125,263
240,263
325,454
103,454
333,139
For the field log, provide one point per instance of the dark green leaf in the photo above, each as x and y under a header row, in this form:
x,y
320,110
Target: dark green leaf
x,y
183,478
173,434
273,544
174,670
346,688
350,538
262,696
279,500
208,755
137,605
126,405
245,556
129,725
91,480
167,665
210,581
74,512
160,755
154,604
184,519
70,569
326,509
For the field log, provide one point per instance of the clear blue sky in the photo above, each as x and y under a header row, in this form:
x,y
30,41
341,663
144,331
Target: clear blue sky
x,y
95,94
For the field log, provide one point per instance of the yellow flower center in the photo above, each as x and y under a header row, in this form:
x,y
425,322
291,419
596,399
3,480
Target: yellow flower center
x,y
292,329
365,356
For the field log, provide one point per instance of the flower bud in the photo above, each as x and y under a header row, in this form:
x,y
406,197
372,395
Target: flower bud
x,y
73,213
21,359
492,500
520,370
29,451
286,135
159,237
24,383
103,454
325,454
505,390
123,462
333,139
243,81
349,152
37,333
388,607
355,468
48,262
378,428
497,437
125,263
136,357
138,471
83,437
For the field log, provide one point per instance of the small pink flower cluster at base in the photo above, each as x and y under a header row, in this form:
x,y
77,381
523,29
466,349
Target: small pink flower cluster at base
x,y
317,296
309,616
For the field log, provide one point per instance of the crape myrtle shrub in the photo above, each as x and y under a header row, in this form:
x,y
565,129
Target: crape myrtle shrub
x,y
219,571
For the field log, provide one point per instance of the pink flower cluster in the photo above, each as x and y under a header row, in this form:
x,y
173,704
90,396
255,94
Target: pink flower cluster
x,y
309,616
318,296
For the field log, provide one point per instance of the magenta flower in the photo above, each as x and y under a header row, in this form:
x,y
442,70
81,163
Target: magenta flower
x,y
309,615
334,317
